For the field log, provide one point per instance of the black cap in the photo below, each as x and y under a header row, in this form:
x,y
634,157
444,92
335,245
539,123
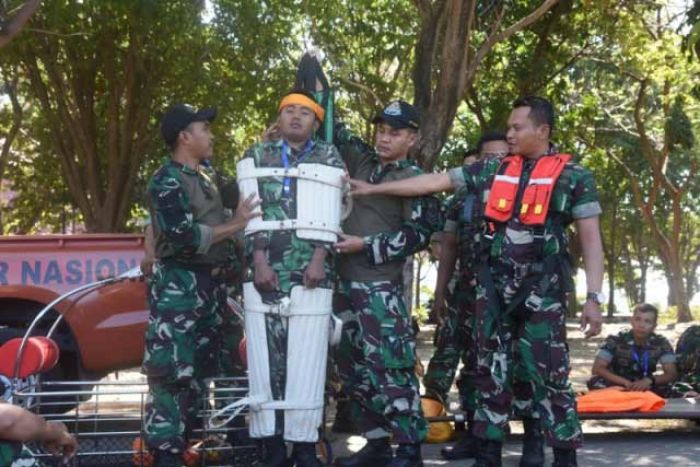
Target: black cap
x,y
179,116
399,114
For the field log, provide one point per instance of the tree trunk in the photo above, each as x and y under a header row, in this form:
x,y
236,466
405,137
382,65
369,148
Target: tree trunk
x,y
448,53
612,261
677,293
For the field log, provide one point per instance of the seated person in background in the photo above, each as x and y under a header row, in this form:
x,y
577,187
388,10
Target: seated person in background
x,y
629,358
688,356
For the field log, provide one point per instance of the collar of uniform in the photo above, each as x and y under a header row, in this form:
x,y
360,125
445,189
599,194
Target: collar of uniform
x,y
278,143
401,164
183,168
629,338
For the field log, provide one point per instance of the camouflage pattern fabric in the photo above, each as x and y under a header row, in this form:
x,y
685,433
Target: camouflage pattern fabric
x,y
523,277
287,254
628,361
688,355
455,338
185,204
14,454
453,341
376,359
393,228
183,347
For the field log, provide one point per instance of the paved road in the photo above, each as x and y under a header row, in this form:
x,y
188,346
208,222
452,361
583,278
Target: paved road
x,y
668,443
616,449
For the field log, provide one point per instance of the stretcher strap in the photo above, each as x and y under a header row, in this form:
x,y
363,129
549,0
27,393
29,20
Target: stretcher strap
x,y
256,404
333,180
292,224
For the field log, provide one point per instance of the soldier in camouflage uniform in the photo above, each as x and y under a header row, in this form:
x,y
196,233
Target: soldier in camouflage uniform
x,y
187,289
279,259
376,356
20,424
629,359
523,275
688,355
455,337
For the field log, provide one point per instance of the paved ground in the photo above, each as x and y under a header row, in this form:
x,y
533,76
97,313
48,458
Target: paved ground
x,y
607,443
668,448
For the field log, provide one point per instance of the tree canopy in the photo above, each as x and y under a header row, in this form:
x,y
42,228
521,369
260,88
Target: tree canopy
x,y
84,83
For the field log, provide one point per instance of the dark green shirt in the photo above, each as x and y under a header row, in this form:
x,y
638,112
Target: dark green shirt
x,y
185,205
393,227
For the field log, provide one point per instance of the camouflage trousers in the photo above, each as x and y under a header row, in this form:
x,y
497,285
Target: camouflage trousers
x,y
527,346
183,347
376,359
15,454
454,340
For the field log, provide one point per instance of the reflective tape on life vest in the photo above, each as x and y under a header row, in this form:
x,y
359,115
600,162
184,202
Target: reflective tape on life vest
x,y
534,204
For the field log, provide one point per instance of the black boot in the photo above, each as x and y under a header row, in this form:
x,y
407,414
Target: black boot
x,y
407,455
376,453
533,444
304,455
488,453
275,452
167,459
343,421
465,448
564,457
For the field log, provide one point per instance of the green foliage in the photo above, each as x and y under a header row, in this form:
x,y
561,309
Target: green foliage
x,y
587,56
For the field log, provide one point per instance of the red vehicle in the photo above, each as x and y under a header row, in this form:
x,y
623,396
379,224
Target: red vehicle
x,y
102,329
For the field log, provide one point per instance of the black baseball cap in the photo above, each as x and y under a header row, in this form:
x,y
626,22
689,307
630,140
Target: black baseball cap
x,y
179,116
399,114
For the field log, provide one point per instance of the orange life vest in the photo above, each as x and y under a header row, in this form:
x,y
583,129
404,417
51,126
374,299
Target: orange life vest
x,y
616,399
538,191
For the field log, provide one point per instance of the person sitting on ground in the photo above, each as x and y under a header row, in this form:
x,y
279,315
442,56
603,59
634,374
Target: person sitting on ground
x,y
629,359
18,426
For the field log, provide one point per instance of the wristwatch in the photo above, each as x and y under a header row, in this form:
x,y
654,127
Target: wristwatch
x,y
598,297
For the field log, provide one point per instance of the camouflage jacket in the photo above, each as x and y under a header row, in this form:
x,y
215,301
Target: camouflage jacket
x,y
185,205
515,246
688,355
393,228
631,362
461,210
287,254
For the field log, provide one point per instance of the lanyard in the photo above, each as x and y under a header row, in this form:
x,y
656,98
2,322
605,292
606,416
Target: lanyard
x,y
644,360
286,187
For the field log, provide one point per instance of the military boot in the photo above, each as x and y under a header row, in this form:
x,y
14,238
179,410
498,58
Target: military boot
x,y
343,421
275,452
167,459
304,455
464,448
564,457
533,444
407,455
376,453
488,454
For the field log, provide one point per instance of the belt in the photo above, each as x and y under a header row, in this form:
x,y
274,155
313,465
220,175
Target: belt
x,y
216,271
